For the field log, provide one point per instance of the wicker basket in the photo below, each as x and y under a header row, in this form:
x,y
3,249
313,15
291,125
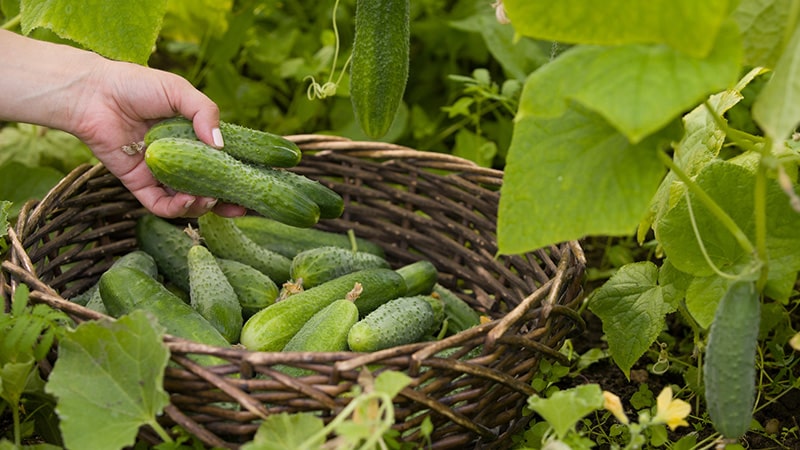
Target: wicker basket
x,y
416,205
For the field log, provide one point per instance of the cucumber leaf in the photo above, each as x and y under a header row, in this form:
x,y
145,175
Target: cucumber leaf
x,y
766,27
108,381
117,29
563,409
286,431
686,25
777,107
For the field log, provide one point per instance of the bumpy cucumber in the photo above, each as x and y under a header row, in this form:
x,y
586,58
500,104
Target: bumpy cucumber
x,y
212,295
168,245
420,276
331,204
325,331
136,259
459,314
272,327
196,168
254,289
379,68
289,241
245,144
729,370
226,240
125,289
318,265
399,321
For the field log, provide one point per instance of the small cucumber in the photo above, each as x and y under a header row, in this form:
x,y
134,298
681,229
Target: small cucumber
x,y
379,68
168,245
272,327
459,314
318,265
325,331
226,240
196,168
420,277
125,289
399,321
212,295
729,370
254,289
136,259
289,241
245,144
331,204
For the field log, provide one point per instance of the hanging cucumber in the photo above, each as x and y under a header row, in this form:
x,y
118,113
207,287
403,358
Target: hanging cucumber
x,y
379,68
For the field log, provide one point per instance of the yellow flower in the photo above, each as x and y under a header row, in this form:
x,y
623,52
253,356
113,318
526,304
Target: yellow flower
x,y
612,403
672,412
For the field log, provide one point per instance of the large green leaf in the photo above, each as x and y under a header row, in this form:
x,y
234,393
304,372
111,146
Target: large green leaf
x,y
574,176
20,183
777,108
286,431
108,381
632,306
563,409
636,88
195,20
766,27
117,29
686,25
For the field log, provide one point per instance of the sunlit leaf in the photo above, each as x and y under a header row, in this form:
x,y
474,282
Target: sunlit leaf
x,y
286,431
766,27
563,409
777,107
193,21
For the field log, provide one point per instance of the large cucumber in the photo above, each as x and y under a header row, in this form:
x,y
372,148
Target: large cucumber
x,y
289,241
245,144
212,295
136,259
331,204
379,68
400,321
196,168
168,245
272,327
318,265
729,370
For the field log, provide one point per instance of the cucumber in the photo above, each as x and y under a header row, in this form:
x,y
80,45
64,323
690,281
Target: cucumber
x,y
331,204
272,327
289,241
254,289
136,259
459,314
226,240
399,321
196,168
379,65
318,265
244,144
125,289
729,369
420,277
212,295
168,245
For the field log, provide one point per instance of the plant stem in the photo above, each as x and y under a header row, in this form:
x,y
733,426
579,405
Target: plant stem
x,y
12,22
161,432
760,213
17,428
709,203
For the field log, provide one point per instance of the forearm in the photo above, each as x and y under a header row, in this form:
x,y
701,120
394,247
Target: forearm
x,y
42,82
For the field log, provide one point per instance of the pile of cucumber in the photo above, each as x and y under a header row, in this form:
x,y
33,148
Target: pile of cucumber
x,y
270,286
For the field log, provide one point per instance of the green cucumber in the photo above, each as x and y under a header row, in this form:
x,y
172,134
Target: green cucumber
x,y
196,168
125,289
399,321
136,259
379,65
245,144
729,369
168,245
272,327
318,265
226,240
459,314
289,241
331,204
254,289
420,277
212,295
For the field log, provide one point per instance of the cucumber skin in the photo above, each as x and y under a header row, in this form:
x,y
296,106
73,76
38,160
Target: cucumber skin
x,y
196,168
420,277
254,289
459,314
330,203
318,265
244,144
168,245
125,289
226,240
136,259
289,241
379,68
271,328
212,295
729,369
399,321
325,331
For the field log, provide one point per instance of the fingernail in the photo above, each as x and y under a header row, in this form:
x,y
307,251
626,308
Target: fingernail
x,y
189,203
211,204
216,136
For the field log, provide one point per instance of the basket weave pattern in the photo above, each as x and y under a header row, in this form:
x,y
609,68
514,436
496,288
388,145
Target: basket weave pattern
x,y
416,205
